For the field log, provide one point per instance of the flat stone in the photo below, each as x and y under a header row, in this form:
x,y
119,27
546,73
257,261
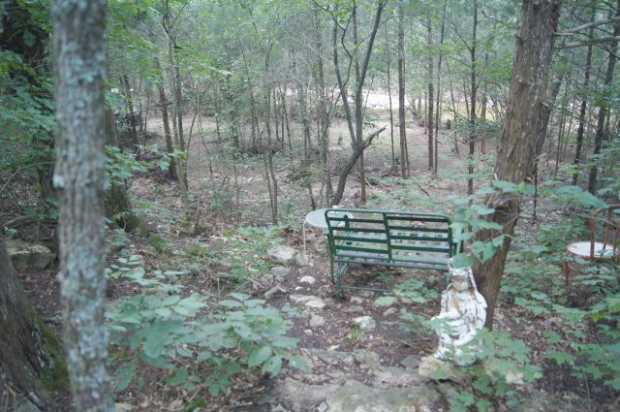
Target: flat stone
x,y
353,309
358,397
309,301
279,273
301,260
316,321
394,376
365,323
367,359
282,254
277,289
307,280
390,312
411,362
356,300
435,369
29,256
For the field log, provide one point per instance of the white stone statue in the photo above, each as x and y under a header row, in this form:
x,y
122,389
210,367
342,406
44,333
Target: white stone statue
x,y
462,316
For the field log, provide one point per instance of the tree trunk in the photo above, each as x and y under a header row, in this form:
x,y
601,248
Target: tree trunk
x,y
472,116
79,29
604,105
388,62
130,110
404,155
430,96
163,103
517,151
31,357
355,121
438,107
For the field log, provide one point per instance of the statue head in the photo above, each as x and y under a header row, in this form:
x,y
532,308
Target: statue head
x,y
462,278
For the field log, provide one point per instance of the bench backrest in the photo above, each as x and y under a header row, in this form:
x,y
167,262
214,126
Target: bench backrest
x,y
389,235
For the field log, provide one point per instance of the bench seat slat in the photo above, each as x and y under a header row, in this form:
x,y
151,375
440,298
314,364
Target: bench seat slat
x,y
383,240
421,248
418,229
429,238
361,249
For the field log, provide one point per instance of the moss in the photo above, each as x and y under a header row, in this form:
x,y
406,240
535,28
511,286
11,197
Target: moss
x,y
55,377
118,208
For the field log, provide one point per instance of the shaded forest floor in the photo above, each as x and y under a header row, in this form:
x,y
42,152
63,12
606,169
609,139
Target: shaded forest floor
x,y
219,237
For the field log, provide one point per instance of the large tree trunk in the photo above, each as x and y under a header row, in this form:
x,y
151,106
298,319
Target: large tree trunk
x,y
524,121
31,358
79,29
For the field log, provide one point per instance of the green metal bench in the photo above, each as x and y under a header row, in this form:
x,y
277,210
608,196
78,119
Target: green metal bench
x,y
387,238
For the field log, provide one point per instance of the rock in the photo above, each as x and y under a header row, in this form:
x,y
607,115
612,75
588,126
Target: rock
x,y
435,369
390,312
282,254
367,359
357,300
316,321
301,260
365,323
29,256
394,376
411,362
279,273
511,377
309,301
273,291
353,309
331,358
308,280
323,407
308,332
358,397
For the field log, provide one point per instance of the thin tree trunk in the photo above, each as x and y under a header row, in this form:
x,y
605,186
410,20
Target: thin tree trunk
x,y
79,29
163,103
516,156
472,118
404,155
130,110
430,95
388,62
438,108
604,106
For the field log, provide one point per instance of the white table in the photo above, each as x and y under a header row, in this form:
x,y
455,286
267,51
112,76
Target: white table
x,y
316,219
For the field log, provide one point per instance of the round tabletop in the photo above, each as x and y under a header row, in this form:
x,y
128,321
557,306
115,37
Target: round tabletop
x,y
316,218
601,251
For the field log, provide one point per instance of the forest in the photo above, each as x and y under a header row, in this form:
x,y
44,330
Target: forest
x,y
309,205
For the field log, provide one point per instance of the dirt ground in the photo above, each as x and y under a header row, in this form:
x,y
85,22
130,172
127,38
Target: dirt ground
x,y
226,194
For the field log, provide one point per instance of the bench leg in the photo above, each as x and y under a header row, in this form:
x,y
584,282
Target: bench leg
x,y
341,268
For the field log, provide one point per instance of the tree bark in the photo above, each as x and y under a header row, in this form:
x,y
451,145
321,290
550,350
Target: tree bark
x,y
524,120
31,358
430,96
79,29
402,130
472,116
603,110
163,103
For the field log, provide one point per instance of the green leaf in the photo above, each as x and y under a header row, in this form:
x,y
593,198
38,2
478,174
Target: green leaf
x,y
124,375
259,355
385,301
273,366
